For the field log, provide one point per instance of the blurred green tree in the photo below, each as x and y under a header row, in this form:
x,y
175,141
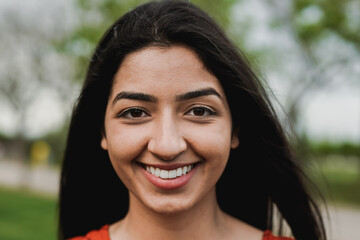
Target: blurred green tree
x,y
326,36
96,16
31,70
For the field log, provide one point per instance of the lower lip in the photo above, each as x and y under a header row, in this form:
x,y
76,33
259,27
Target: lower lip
x,y
172,183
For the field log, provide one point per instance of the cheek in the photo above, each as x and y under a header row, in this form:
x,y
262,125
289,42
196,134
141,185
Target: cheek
x,y
124,146
125,143
214,149
212,144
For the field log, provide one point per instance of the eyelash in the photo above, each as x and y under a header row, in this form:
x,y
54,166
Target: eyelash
x,y
131,110
207,112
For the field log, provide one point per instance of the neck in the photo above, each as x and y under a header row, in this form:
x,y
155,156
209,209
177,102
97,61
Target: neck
x,y
201,221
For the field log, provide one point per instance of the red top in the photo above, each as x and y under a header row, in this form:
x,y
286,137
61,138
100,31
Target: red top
x,y
103,234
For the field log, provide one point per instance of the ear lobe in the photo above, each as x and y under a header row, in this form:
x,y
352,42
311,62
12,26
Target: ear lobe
x,y
235,139
103,143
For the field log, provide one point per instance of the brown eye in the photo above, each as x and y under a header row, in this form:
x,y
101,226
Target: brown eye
x,y
201,112
133,113
136,113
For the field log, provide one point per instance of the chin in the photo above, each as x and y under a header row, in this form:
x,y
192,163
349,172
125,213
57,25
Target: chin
x,y
164,207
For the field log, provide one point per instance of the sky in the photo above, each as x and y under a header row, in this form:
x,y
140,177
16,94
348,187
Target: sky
x,y
332,114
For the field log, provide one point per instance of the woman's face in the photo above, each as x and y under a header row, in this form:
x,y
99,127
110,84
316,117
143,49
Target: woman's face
x,y
167,129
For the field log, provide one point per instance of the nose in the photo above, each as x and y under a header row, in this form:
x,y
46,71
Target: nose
x,y
166,141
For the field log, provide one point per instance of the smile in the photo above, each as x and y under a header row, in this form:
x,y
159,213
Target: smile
x,y
169,174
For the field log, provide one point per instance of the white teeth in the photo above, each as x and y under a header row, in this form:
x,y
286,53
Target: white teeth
x,y
172,174
157,172
165,174
178,172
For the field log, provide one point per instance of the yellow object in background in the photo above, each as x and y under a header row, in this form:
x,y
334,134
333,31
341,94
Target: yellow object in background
x,y
39,153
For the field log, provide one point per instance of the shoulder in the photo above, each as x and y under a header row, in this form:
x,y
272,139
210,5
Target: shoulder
x,y
269,236
100,234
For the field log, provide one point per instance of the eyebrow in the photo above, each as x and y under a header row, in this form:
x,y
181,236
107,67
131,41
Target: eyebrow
x,y
134,96
198,93
150,98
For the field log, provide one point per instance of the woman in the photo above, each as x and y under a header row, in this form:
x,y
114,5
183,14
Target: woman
x,y
173,136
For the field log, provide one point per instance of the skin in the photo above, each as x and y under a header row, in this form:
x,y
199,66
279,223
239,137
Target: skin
x,y
152,119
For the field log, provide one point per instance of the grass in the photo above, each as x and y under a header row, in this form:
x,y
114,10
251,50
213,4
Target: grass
x,y
338,188
25,215
339,180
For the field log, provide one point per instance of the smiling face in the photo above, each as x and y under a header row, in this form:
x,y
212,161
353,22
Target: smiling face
x,y
167,129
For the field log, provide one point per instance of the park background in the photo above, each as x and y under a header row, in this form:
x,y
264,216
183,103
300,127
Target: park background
x,y
308,52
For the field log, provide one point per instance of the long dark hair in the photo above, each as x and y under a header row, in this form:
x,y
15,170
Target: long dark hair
x,y
262,169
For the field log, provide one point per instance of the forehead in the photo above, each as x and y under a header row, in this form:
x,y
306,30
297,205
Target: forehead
x,y
172,56
164,68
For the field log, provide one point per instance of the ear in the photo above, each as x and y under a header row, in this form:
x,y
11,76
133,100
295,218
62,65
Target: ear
x,y
103,142
235,138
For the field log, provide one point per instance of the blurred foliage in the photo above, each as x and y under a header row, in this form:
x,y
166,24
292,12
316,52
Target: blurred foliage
x,y
4,137
337,176
344,192
34,77
313,18
338,181
307,149
325,36
97,16
27,216
346,149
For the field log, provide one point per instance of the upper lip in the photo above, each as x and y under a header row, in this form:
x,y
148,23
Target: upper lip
x,y
168,166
